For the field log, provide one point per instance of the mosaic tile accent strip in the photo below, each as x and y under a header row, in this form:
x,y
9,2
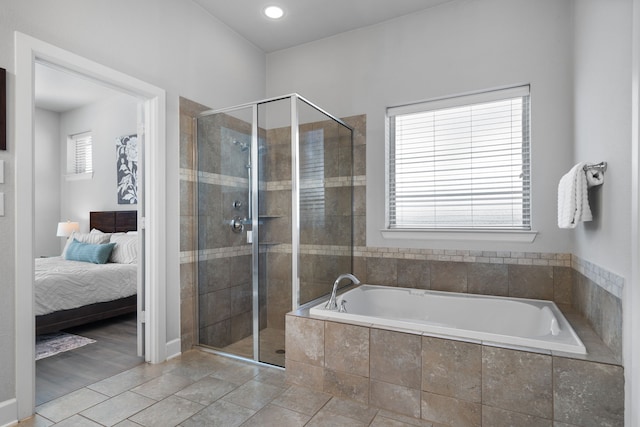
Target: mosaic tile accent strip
x,y
491,257
310,249
519,258
607,280
213,178
207,254
360,180
217,179
187,175
187,257
339,181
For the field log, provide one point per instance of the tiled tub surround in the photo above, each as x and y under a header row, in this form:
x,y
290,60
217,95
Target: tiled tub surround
x,y
511,274
499,320
456,382
597,296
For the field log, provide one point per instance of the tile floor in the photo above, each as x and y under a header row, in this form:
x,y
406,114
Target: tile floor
x,y
203,389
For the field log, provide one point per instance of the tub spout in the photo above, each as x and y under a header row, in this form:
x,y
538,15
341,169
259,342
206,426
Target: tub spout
x,y
332,304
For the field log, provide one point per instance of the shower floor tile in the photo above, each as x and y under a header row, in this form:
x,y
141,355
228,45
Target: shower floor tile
x,y
271,347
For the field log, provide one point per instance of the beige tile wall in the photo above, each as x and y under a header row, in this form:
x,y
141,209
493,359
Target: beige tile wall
x,y
520,281
602,309
563,278
224,294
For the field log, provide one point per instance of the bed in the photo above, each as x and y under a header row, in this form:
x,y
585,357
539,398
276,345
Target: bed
x,y
72,293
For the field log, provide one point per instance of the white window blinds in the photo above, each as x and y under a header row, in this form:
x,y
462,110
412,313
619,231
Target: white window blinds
x,y
80,154
460,163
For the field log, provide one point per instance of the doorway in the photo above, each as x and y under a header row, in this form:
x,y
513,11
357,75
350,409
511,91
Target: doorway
x,y
79,126
151,307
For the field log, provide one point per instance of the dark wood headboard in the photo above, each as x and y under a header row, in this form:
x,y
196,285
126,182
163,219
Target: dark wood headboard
x,y
113,221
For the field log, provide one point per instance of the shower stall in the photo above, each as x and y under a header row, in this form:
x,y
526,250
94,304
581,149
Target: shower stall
x,y
275,219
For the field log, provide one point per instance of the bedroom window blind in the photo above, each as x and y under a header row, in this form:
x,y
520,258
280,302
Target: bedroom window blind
x,y
80,154
460,163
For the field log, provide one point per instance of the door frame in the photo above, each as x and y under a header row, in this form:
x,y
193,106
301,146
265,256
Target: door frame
x,y
28,50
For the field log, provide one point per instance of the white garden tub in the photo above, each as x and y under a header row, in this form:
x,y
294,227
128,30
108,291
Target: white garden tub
x,y
500,320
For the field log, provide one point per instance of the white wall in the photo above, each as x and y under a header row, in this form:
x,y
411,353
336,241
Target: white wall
x,y
107,120
172,44
603,127
47,182
57,199
450,49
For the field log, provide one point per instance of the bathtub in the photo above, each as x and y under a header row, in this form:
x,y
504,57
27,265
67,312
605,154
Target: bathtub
x,y
493,320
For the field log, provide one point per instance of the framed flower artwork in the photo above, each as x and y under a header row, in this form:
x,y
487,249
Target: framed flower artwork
x,y
127,169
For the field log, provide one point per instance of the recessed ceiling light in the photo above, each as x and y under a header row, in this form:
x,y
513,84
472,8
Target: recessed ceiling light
x,y
274,12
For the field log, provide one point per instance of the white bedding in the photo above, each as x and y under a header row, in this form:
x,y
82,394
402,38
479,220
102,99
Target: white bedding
x,y
62,284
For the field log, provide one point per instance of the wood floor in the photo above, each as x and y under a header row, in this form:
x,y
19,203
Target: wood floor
x,y
113,352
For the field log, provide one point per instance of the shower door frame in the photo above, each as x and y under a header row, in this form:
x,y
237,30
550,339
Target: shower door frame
x,y
254,194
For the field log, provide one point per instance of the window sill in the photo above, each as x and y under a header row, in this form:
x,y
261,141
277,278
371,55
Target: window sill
x,y
453,235
79,176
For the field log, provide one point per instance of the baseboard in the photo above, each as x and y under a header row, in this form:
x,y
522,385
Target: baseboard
x,y
174,348
8,412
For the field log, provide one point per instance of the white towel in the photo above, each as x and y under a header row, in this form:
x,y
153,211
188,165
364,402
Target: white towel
x,y
573,201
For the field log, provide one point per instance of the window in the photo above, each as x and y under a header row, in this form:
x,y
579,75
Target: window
x,y
460,163
79,156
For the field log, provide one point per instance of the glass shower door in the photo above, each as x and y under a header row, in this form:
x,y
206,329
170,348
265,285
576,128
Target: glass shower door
x,y
225,273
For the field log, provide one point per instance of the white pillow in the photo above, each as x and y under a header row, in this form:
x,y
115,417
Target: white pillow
x,y
126,249
93,238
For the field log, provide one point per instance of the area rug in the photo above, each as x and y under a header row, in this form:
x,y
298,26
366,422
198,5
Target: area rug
x,y
51,344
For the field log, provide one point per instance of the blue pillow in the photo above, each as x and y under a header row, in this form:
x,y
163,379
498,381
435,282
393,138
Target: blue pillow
x,y
86,252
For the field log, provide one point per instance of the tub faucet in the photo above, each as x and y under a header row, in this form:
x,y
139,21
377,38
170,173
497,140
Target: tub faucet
x,y
332,304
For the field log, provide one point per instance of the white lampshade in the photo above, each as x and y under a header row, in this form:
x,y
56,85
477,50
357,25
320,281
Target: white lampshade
x,y
66,228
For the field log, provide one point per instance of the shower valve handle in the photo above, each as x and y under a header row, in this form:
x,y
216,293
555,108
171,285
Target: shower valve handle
x,y
237,224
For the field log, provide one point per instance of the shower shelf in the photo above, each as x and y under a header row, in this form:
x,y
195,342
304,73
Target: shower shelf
x,y
262,218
